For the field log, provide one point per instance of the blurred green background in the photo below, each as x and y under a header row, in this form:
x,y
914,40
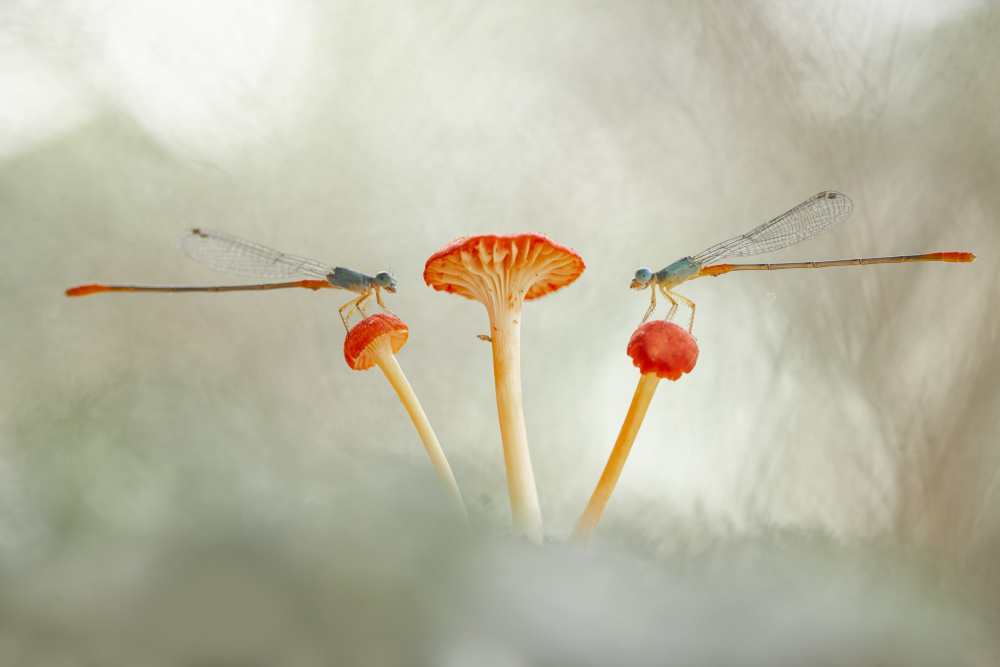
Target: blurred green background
x,y
843,420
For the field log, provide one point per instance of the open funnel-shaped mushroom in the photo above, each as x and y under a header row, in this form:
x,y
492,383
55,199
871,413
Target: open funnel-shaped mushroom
x,y
501,272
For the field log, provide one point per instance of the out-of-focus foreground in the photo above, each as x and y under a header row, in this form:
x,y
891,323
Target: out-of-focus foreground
x,y
198,479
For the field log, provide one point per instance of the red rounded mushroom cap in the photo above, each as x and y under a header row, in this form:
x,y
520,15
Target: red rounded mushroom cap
x,y
532,264
357,351
664,348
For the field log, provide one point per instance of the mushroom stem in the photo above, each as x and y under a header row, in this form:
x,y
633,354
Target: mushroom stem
x,y
502,272
526,515
587,524
381,351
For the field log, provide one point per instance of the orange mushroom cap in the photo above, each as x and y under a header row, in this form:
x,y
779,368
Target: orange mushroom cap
x,y
462,266
664,348
366,332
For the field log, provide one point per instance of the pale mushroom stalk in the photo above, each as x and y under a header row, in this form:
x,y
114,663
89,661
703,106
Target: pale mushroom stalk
x,y
591,516
375,341
381,351
501,272
660,350
505,330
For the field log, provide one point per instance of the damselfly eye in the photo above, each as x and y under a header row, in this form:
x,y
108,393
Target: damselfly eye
x,y
384,279
643,275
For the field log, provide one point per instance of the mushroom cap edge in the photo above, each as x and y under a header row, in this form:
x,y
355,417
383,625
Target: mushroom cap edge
x,y
481,244
365,332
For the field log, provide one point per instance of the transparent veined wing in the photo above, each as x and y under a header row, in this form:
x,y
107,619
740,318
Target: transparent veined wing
x,y
812,217
231,254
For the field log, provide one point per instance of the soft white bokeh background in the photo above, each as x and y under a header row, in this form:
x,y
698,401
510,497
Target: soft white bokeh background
x,y
855,405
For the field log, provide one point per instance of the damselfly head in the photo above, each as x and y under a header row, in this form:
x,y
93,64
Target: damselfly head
x,y
386,281
642,278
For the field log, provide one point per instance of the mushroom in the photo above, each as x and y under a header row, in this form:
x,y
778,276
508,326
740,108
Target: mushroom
x,y
374,341
501,272
659,349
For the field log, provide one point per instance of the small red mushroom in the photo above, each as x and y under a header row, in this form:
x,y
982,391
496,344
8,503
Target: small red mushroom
x,y
375,341
501,272
659,349
664,349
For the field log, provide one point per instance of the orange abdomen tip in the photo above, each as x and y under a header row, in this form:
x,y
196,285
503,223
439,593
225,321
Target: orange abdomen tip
x,y
84,290
954,256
